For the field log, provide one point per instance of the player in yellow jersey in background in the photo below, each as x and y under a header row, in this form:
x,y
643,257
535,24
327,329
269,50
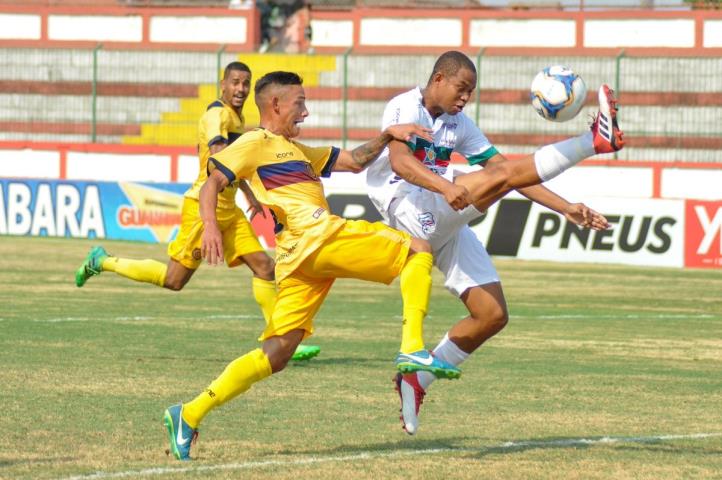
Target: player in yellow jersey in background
x,y
313,247
220,125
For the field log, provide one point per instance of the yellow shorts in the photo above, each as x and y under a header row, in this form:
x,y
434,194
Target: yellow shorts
x,y
239,239
359,249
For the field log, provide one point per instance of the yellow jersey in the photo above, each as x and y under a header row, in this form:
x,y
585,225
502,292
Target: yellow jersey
x,y
284,176
219,124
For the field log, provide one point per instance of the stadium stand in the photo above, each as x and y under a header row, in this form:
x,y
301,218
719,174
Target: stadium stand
x,y
155,97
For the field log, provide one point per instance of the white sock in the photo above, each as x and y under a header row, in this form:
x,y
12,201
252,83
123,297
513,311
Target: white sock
x,y
551,160
447,351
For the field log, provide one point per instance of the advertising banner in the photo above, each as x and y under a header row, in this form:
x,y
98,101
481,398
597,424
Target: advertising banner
x,y
704,234
121,211
642,232
652,232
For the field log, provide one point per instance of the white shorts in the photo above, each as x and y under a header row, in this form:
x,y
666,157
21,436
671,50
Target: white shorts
x,y
458,253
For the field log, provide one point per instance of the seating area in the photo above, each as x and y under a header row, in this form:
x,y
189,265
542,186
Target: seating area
x,y
156,97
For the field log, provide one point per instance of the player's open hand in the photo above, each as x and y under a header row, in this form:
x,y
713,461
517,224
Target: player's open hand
x,y
581,215
406,131
457,196
212,244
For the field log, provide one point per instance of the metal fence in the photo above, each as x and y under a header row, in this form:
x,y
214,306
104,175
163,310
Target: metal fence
x,y
671,106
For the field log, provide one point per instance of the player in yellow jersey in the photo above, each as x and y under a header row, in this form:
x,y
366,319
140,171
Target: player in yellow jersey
x,y
315,247
220,125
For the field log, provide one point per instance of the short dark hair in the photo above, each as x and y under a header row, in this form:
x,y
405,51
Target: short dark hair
x,y
449,64
277,78
238,66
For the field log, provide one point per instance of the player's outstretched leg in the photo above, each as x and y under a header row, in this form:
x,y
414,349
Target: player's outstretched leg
x,y
411,394
496,180
92,265
180,434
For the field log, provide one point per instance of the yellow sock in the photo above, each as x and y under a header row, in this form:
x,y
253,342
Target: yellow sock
x,y
238,377
149,271
264,291
415,292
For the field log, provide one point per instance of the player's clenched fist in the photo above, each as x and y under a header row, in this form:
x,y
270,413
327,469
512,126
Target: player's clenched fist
x,y
457,196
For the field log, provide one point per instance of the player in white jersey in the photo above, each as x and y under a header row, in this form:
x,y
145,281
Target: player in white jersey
x,y
414,190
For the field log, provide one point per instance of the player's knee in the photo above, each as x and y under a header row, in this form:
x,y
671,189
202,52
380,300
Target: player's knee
x,y
279,359
419,246
266,269
262,266
501,171
497,319
491,319
174,284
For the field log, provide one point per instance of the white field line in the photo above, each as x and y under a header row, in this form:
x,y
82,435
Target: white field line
x,y
314,460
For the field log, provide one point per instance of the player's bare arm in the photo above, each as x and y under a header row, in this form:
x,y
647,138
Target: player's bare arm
x,y
212,241
406,166
360,157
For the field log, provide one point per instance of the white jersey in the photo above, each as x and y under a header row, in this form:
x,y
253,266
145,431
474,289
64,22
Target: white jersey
x,y
451,133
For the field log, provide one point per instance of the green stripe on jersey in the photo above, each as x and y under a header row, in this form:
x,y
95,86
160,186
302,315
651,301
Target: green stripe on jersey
x,y
483,157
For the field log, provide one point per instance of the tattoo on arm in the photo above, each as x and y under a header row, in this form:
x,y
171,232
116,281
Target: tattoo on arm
x,y
367,153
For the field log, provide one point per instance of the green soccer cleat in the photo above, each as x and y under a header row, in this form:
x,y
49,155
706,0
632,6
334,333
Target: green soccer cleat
x,y
180,434
305,352
423,360
92,265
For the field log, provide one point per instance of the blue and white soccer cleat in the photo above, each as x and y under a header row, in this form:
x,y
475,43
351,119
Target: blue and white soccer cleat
x,y
423,360
180,434
412,396
92,265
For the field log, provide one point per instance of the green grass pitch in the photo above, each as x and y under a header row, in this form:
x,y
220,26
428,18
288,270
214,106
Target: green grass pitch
x,y
603,372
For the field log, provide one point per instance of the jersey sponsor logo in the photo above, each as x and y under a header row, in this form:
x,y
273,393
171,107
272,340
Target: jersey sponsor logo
x,y
396,118
287,254
427,222
284,155
318,212
448,137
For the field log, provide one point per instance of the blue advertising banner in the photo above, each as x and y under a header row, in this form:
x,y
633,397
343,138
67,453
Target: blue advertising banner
x,y
148,212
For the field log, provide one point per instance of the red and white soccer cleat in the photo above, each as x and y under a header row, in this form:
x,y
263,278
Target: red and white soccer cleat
x,y
608,137
412,396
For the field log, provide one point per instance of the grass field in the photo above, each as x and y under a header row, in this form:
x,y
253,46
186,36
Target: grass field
x,y
603,372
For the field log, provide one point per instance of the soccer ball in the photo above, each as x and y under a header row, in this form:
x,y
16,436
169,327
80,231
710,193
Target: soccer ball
x,y
557,93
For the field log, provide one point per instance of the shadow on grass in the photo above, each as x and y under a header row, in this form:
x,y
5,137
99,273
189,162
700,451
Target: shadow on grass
x,y
457,445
